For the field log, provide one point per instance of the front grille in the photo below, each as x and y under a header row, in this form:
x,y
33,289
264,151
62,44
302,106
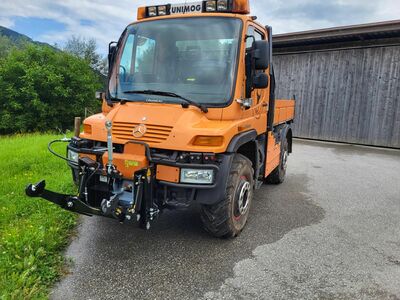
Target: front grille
x,y
154,134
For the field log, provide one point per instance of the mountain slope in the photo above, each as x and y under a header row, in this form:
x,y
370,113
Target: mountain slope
x,y
17,38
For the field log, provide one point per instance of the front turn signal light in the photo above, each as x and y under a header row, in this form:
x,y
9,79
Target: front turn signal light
x,y
87,129
210,141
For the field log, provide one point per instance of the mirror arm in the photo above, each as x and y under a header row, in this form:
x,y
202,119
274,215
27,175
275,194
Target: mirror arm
x,y
249,36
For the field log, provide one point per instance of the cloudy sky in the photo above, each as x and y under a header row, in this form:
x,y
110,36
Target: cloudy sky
x,y
55,21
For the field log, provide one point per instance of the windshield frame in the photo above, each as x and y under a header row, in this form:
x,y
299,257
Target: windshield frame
x,y
123,39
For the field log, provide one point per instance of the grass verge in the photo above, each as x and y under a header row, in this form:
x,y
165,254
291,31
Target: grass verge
x,y
33,232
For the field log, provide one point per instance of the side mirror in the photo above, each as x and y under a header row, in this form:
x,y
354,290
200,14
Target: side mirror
x,y
112,50
261,54
260,81
100,95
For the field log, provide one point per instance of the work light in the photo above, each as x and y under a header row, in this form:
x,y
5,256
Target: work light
x,y
73,156
197,176
211,5
222,5
162,10
152,11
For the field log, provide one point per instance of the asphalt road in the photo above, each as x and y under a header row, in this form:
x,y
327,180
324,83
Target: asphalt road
x,y
331,231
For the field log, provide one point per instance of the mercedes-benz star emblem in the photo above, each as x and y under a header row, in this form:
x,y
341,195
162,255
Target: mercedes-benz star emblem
x,y
139,130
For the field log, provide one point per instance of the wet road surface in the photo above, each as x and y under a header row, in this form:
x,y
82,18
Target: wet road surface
x,y
331,231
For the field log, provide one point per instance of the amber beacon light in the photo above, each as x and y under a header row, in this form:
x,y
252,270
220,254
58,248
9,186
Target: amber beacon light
x,y
209,6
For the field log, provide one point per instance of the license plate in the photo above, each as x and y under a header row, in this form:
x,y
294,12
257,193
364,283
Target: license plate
x,y
187,8
103,178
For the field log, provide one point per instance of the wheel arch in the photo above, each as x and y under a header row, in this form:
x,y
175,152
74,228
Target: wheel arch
x,y
245,143
241,139
284,131
251,146
249,150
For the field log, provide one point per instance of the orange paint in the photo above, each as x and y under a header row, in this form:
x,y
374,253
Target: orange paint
x,y
167,173
273,154
133,159
284,111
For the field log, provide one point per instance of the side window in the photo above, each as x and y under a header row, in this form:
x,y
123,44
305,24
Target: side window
x,y
126,59
251,31
258,35
249,41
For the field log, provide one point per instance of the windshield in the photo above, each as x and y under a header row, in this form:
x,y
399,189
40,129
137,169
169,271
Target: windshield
x,y
192,57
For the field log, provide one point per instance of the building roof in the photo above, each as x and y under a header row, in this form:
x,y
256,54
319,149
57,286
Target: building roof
x,y
381,33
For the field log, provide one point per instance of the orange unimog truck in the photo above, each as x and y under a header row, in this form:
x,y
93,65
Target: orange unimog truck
x,y
189,117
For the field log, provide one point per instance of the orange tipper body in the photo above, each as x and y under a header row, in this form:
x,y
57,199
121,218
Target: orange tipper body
x,y
187,151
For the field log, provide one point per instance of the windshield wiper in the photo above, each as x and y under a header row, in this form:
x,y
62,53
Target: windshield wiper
x,y
172,95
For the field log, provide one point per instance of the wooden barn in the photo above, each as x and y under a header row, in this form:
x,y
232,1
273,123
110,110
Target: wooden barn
x,y
346,81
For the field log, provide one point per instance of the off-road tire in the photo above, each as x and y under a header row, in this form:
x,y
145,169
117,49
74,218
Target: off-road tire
x,y
278,175
227,218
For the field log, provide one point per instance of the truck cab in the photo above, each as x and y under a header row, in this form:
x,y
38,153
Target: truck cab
x,y
189,116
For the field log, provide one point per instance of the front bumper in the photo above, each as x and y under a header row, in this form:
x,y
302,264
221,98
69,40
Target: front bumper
x,y
203,193
141,196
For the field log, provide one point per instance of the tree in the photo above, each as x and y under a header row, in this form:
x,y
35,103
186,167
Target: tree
x,y
5,46
87,50
42,89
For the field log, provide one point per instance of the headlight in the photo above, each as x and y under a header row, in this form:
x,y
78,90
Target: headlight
x,y
197,176
73,156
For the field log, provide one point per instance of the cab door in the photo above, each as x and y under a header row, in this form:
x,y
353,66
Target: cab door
x,y
259,108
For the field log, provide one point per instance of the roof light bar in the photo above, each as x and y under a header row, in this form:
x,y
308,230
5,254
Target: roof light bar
x,y
207,6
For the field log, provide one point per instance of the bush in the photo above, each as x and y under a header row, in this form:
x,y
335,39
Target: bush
x,y
43,89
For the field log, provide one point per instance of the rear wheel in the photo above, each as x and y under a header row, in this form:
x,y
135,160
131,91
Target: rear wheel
x,y
278,175
227,218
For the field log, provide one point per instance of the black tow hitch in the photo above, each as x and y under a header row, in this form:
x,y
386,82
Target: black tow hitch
x,y
67,202
104,192
143,208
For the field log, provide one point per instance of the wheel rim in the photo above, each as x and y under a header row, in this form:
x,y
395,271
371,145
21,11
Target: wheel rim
x,y
285,159
242,198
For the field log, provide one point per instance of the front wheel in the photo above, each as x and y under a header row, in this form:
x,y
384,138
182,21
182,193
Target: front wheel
x,y
227,218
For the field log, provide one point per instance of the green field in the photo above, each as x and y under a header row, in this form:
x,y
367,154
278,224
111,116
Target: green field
x,y
33,232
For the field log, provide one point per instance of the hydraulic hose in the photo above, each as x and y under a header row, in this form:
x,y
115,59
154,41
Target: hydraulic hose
x,y
65,140
86,180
